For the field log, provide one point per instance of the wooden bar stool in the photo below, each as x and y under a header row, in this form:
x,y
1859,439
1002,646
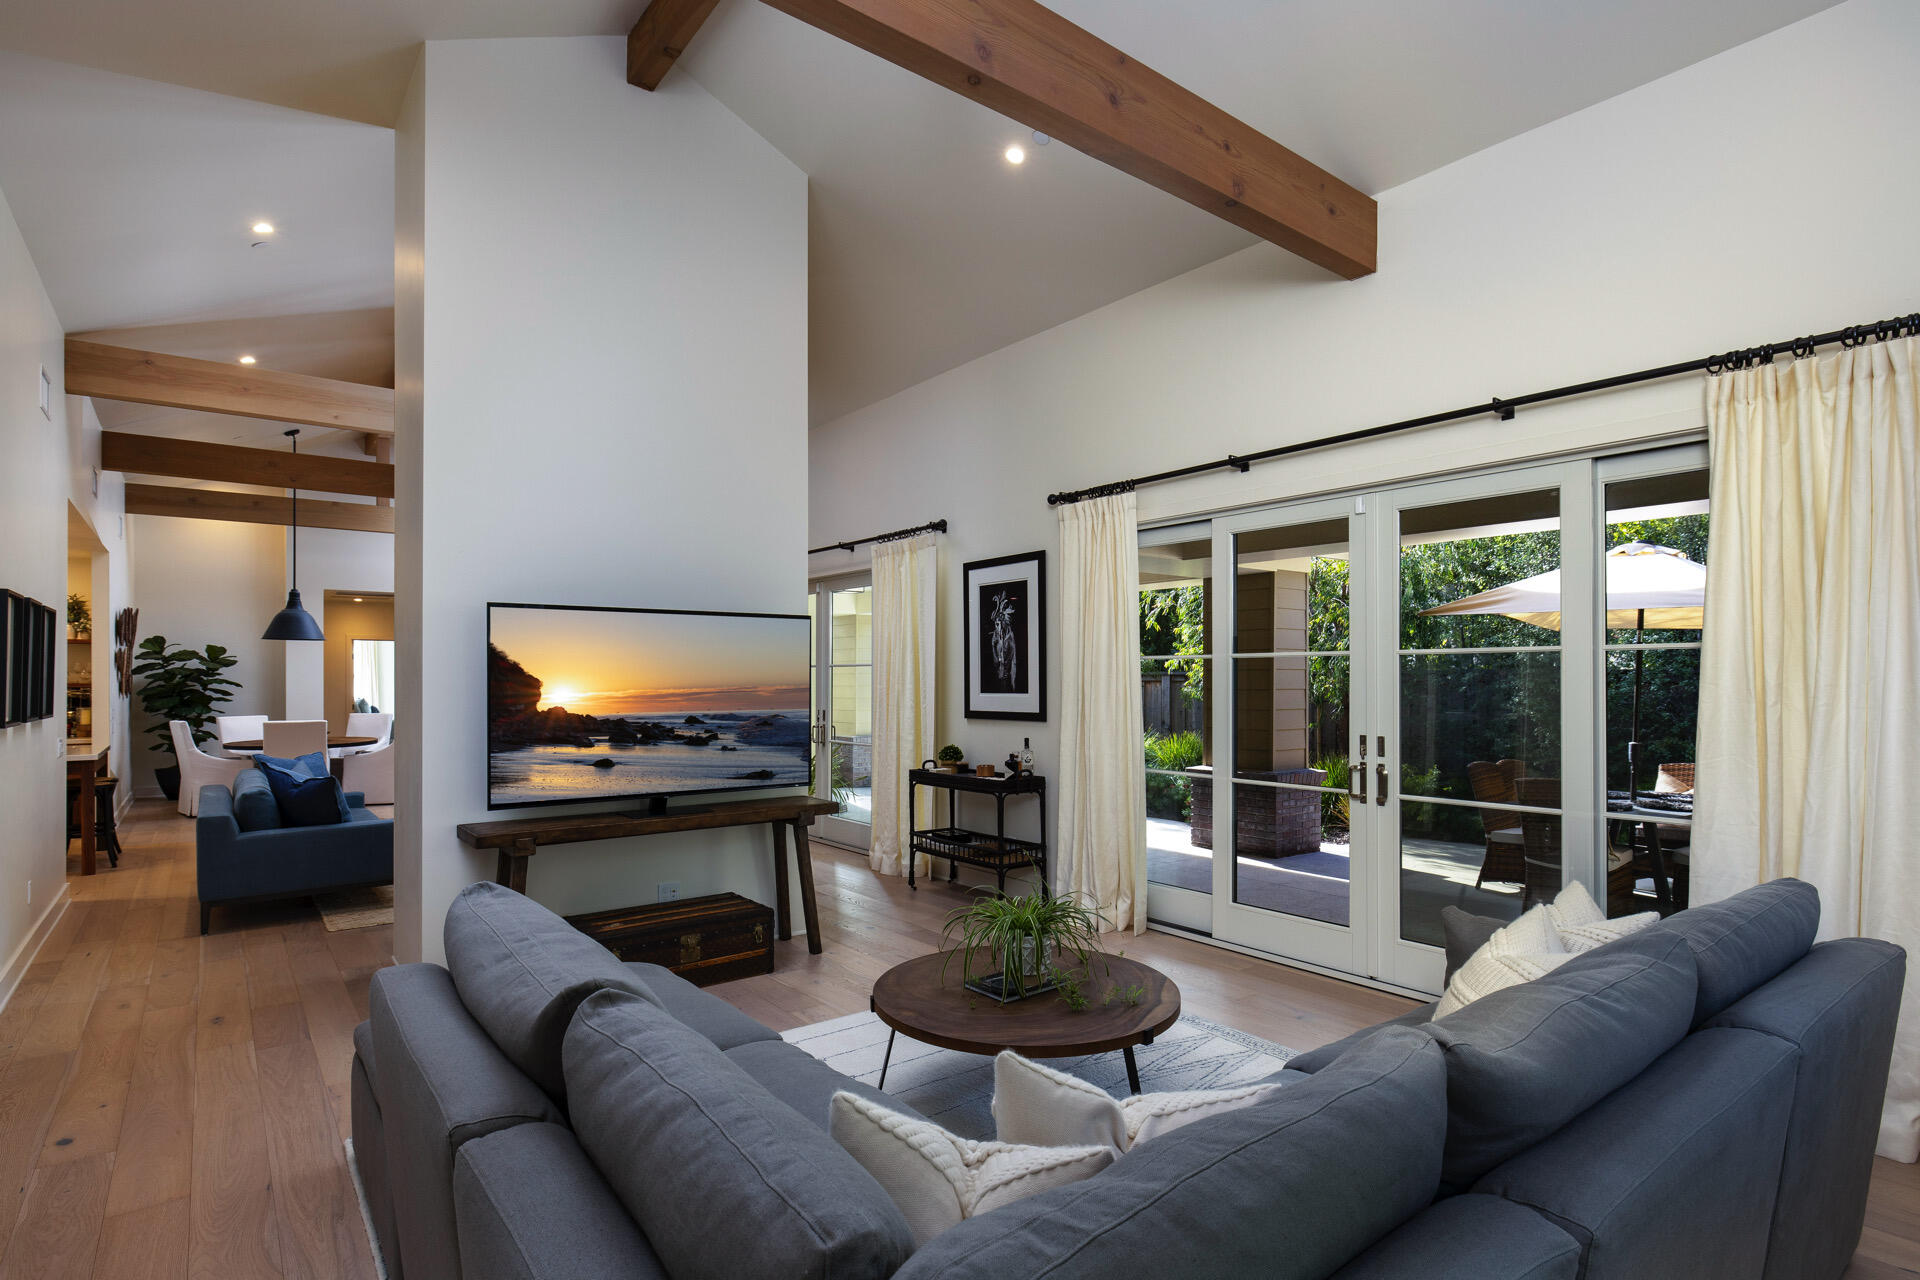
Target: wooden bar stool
x,y
103,833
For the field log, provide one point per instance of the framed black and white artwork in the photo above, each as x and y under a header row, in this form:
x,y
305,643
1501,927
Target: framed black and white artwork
x,y
1006,629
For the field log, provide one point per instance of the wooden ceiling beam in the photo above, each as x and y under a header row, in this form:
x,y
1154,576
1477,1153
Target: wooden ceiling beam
x,y
662,33
1027,62
254,508
179,382
232,464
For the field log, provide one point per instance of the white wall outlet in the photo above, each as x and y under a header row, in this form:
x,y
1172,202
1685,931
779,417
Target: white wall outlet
x,y
29,893
667,891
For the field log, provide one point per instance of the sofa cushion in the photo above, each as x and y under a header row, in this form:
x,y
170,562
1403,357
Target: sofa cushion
x,y
531,1206
708,1014
726,1180
254,807
801,1080
1275,1191
521,971
1524,1061
1528,948
1314,1059
1743,941
1471,1238
1465,934
1674,1174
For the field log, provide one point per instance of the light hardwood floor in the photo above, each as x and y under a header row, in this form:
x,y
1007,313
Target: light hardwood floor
x,y
175,1106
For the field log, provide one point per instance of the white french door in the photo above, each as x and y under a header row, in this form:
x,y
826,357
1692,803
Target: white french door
x,y
842,613
1357,728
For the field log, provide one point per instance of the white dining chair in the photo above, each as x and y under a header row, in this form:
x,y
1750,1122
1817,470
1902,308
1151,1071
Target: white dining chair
x,y
197,768
285,739
369,724
237,729
370,771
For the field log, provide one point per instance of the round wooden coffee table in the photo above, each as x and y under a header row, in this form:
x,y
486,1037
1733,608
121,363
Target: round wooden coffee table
x,y
916,1000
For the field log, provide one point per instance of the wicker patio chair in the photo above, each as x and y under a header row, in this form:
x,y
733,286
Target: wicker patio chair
x,y
1540,835
1494,781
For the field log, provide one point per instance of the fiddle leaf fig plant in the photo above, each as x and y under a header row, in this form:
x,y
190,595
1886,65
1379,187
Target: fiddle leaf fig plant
x,y
183,684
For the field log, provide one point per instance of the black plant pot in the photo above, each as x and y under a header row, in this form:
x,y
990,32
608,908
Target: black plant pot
x,y
169,780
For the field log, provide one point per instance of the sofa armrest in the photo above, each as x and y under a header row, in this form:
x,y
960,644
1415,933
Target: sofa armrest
x,y
529,1205
443,1083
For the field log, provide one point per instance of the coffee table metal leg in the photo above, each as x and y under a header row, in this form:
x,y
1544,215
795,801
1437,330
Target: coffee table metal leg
x,y
888,1061
1133,1070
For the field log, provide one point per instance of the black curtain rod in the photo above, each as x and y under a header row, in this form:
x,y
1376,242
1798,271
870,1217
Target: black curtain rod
x,y
1851,336
931,526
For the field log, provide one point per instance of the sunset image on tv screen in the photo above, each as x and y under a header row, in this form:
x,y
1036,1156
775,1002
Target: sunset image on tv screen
x,y
596,703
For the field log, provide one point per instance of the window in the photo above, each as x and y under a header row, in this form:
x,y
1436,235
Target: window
x,y
1175,666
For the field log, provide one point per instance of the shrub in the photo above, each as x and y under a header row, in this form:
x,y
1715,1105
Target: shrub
x,y
1171,797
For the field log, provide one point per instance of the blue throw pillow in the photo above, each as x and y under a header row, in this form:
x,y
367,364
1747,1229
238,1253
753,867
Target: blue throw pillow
x,y
305,801
311,765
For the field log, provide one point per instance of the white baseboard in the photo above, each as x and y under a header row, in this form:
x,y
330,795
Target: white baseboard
x,y
29,949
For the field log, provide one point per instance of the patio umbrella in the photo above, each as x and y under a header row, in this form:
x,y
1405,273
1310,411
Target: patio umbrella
x,y
1648,588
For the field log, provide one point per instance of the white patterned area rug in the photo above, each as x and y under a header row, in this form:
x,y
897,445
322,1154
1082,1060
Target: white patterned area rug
x,y
955,1090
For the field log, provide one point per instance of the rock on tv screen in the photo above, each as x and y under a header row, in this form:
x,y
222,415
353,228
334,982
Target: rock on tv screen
x,y
602,704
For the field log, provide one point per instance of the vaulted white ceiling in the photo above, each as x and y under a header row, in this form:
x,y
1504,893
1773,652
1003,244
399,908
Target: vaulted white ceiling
x,y
927,249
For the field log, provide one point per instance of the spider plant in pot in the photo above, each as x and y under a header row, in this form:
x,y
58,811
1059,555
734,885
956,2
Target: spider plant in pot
x,y
1009,946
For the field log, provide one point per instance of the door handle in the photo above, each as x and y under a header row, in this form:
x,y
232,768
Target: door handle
x,y
1380,775
1357,771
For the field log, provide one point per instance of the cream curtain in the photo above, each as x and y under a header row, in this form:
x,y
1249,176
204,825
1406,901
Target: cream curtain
x,y
1809,697
904,581
1103,791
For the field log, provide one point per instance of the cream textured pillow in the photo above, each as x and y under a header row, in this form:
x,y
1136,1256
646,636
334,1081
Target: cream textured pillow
x,y
1582,925
1520,952
1038,1106
939,1180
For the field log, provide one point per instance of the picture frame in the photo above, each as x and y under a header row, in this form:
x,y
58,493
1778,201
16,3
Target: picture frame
x,y
12,670
1004,615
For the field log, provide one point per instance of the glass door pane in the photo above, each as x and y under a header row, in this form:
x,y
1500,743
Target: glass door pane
x,y
1654,560
1292,673
1176,584
843,669
1479,673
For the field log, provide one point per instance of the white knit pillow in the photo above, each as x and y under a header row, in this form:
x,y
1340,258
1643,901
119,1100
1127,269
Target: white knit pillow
x,y
939,1180
1039,1106
1582,925
1528,948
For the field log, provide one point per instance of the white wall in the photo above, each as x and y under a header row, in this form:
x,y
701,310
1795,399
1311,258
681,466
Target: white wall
x,y
34,489
601,351
111,587
330,560
1761,194
201,582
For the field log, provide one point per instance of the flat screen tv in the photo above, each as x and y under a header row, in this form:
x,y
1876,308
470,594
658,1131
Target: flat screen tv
x,y
604,704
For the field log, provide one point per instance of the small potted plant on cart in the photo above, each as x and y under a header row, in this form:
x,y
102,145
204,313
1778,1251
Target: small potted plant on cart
x,y
951,758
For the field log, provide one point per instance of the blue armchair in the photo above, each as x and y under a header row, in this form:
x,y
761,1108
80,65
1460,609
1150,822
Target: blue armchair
x,y
245,855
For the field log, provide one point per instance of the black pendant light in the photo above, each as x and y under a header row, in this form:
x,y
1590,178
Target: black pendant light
x,y
294,622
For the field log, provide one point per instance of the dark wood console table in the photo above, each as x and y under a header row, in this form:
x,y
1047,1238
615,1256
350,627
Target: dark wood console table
x,y
518,839
994,851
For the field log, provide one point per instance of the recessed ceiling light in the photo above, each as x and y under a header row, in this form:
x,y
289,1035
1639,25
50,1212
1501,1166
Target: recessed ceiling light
x,y
246,360
359,599
263,228
1016,154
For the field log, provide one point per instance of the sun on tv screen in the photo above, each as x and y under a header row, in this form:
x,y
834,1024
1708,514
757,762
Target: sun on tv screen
x,y
602,704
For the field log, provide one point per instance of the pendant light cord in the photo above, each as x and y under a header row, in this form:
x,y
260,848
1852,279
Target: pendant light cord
x,y
294,435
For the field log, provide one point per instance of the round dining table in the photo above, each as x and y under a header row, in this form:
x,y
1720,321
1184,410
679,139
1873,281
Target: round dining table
x,y
255,746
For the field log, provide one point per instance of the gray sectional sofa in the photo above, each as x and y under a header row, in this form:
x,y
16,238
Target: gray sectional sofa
x,y
1700,1099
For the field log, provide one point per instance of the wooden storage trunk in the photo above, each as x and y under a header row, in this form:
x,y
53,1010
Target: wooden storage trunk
x,y
704,940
